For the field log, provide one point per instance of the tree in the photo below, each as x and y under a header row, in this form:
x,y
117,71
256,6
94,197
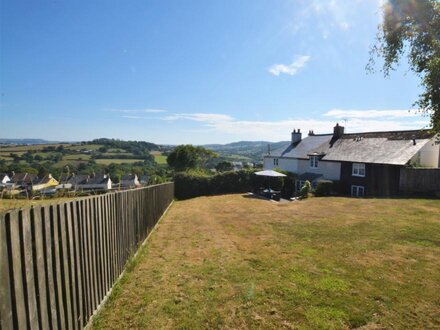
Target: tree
x,y
224,166
187,156
413,28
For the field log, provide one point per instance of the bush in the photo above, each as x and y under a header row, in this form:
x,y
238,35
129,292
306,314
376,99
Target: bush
x,y
305,190
193,184
324,188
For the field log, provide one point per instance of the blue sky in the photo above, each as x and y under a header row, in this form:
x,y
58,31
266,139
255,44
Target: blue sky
x,y
195,71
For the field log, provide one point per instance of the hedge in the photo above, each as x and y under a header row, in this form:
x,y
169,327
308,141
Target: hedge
x,y
189,185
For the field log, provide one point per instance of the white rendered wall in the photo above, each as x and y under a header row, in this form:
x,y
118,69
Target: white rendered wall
x,y
330,170
429,155
286,164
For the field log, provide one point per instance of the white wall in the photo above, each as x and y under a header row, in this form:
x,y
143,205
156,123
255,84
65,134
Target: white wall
x,y
429,155
330,170
286,164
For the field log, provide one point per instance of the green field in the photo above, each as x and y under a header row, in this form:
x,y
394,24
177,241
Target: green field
x,y
160,159
117,161
236,262
81,154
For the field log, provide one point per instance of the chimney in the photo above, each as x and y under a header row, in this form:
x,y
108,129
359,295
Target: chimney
x,y
338,131
296,136
268,149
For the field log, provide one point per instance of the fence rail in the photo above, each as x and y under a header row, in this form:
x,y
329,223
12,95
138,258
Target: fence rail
x,y
58,262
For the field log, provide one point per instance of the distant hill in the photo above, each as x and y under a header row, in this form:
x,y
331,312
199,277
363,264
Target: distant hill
x,y
245,150
26,141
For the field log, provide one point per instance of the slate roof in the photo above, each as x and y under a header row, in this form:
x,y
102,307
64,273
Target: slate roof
x,y
20,178
129,177
303,147
391,147
78,179
98,179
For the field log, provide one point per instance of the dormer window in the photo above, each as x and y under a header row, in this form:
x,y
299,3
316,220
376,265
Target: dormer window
x,y
358,169
314,161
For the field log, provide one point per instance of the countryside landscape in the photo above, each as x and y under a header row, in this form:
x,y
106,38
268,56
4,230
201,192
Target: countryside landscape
x,y
220,165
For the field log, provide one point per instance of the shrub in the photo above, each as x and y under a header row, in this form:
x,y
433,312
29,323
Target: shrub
x,y
324,188
305,190
194,184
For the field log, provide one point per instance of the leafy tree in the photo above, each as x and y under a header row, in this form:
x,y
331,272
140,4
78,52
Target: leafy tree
x,y
187,156
413,28
224,166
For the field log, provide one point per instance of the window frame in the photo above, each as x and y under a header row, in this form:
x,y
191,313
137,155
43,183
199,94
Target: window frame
x,y
314,162
356,169
275,161
356,189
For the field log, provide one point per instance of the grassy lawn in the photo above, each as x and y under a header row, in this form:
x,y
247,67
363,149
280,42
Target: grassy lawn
x,y
324,263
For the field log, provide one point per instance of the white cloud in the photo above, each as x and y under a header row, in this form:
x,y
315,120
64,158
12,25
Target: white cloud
x,y
328,16
290,69
202,117
233,129
339,113
137,110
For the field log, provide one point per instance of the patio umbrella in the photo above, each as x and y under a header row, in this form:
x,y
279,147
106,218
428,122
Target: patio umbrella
x,y
270,173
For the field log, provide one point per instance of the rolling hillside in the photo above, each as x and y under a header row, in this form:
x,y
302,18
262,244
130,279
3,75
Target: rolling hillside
x,y
244,150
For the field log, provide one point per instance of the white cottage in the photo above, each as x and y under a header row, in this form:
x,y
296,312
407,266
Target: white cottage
x,y
363,163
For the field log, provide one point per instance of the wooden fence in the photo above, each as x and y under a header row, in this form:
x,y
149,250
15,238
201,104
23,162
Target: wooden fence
x,y
419,181
58,262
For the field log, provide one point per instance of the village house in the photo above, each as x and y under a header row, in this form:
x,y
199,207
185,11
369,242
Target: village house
x,y
360,164
101,182
22,180
4,179
130,181
46,182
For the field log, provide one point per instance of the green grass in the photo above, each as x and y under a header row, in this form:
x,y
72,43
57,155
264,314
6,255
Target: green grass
x,y
77,157
117,161
160,159
323,263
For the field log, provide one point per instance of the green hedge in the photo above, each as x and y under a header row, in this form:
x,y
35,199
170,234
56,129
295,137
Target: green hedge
x,y
189,185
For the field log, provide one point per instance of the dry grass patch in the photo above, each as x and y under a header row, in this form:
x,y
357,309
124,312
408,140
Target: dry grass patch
x,y
324,263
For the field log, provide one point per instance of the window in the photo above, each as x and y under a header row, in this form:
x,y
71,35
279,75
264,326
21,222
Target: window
x,y
299,185
314,161
275,161
357,191
358,169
